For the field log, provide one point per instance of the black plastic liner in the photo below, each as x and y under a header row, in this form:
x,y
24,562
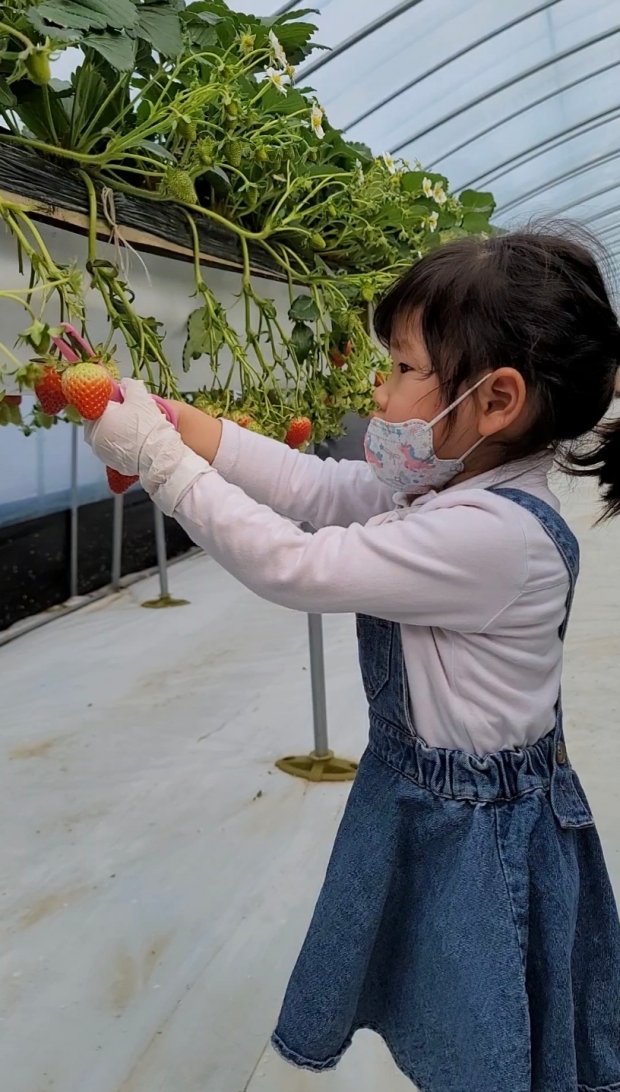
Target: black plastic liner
x,y
35,554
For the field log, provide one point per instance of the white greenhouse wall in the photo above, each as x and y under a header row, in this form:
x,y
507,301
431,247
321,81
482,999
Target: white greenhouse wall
x,y
39,477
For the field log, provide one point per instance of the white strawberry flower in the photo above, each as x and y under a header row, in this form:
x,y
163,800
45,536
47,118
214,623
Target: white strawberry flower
x,y
432,221
278,50
439,193
389,162
427,187
278,79
316,120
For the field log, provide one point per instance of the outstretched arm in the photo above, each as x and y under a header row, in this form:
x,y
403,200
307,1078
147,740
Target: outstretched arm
x,y
411,570
301,487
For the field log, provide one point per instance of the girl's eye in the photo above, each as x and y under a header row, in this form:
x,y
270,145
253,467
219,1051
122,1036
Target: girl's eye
x,y
404,368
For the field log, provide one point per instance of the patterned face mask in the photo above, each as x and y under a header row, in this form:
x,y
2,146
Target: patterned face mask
x,y
403,457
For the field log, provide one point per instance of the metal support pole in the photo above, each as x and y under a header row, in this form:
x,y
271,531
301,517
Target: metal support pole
x,y
321,764
117,541
162,553
165,599
317,681
74,537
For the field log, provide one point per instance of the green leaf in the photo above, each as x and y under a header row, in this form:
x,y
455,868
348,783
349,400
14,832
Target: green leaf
x,y
7,98
32,111
117,49
412,181
304,309
477,202
90,92
162,28
155,149
361,151
203,36
390,215
202,337
476,222
302,340
90,14
216,175
56,34
62,88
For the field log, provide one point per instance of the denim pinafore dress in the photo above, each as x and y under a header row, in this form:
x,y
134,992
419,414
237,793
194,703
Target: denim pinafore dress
x,y
467,915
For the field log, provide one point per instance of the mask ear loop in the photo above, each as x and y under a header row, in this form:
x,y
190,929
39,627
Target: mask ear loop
x,y
453,406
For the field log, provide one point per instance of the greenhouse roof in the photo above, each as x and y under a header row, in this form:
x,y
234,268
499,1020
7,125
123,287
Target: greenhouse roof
x,y
520,98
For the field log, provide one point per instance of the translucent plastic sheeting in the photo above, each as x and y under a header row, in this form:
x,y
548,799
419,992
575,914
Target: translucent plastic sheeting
x,y
520,97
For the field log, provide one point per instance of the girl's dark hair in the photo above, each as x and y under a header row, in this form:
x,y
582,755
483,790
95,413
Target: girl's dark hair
x,y
531,300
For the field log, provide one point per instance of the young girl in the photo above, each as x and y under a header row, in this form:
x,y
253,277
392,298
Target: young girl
x,y
467,915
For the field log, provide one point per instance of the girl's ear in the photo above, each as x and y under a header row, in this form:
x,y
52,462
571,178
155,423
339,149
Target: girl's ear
x,y
502,400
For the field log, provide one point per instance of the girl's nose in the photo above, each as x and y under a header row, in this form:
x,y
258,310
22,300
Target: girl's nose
x,y
380,396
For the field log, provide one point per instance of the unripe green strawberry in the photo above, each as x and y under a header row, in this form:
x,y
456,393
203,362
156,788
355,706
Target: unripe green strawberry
x,y
187,129
233,151
38,66
317,241
203,403
178,185
261,154
367,292
206,151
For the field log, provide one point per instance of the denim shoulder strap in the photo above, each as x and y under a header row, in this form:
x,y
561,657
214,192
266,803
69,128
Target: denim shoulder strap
x,y
559,532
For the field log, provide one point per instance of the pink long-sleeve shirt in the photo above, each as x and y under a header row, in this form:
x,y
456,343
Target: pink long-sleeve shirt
x,y
474,581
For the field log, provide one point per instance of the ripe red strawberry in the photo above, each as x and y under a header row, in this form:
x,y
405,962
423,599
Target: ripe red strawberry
x,y
49,391
337,358
299,432
348,349
87,387
380,379
119,483
245,420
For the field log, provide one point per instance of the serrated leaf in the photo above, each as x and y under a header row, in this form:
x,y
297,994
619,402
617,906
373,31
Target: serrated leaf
x,y
302,340
90,14
304,309
476,222
202,337
62,88
474,201
412,181
160,26
117,49
361,151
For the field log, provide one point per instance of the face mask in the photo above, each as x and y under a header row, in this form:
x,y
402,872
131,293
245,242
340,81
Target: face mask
x,y
402,455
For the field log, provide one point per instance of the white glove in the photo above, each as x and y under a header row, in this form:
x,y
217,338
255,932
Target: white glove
x,y
134,438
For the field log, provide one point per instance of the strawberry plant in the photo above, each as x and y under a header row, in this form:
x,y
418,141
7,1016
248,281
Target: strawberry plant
x,y
196,104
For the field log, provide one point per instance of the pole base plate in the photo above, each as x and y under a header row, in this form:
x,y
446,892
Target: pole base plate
x,y
164,601
317,768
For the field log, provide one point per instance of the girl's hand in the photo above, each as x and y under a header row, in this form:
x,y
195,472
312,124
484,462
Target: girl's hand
x,y
131,433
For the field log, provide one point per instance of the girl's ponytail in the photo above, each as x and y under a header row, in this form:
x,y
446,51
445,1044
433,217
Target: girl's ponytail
x,y
601,460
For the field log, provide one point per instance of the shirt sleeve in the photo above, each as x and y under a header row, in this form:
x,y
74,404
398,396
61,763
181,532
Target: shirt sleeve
x,y
302,487
454,567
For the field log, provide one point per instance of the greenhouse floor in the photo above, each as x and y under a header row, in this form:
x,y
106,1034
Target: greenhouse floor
x,y
158,873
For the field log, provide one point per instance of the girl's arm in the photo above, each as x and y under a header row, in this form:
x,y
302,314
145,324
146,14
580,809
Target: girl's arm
x,y
456,568
301,487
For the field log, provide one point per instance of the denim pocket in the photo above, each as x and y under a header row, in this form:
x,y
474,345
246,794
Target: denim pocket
x,y
568,800
375,638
